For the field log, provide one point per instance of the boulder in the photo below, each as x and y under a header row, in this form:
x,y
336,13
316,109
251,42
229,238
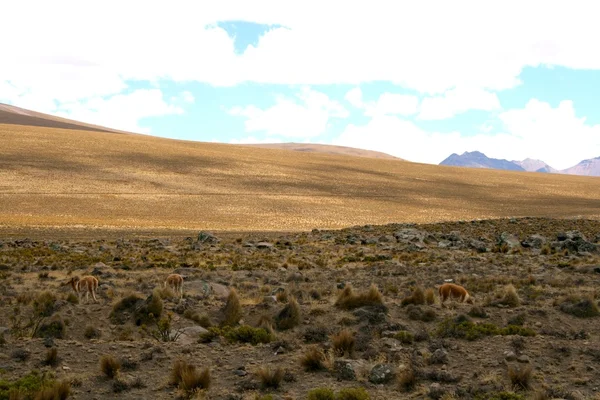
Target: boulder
x,y
382,373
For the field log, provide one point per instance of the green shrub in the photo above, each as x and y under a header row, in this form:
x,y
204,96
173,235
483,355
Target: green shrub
x,y
321,394
465,329
353,394
26,386
55,329
579,307
243,334
405,337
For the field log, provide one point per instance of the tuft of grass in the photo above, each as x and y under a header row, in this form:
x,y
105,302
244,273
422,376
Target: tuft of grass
x,y
343,342
405,337
347,300
56,391
20,354
270,378
313,359
520,376
109,366
72,298
247,334
407,379
321,394
232,312
417,297
511,297
92,332
289,316
51,357
56,328
353,394
430,296
193,379
418,313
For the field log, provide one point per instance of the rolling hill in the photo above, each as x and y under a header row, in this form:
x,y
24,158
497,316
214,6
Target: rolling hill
x,y
65,177
326,148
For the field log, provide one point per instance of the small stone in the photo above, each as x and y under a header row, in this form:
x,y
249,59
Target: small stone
x,y
65,368
523,359
510,356
440,356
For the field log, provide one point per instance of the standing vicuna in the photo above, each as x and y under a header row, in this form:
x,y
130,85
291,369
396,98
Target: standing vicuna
x,y
175,281
454,291
87,283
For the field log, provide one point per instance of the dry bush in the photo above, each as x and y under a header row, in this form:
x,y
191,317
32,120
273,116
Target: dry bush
x,y
313,359
188,378
511,297
270,378
348,300
407,379
430,296
343,342
232,312
58,391
289,316
581,307
520,376
417,297
109,366
92,332
51,357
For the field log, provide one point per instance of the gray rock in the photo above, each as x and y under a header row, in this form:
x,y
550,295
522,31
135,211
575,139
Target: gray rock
x,y
207,237
443,244
510,356
534,241
191,334
436,391
510,240
382,373
523,359
440,356
478,245
344,371
264,245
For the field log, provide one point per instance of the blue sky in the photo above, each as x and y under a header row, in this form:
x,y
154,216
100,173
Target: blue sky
x,y
419,88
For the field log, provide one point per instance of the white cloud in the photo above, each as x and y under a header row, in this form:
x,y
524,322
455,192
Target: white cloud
x,y
457,101
386,104
123,111
354,97
464,42
289,117
554,135
188,97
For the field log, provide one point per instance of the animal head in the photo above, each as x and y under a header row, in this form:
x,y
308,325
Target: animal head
x,y
470,299
71,281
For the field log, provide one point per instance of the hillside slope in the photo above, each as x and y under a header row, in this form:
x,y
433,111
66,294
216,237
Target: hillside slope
x,y
325,148
65,177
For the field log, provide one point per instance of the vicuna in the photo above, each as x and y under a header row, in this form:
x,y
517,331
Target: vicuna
x,y
175,281
89,284
454,291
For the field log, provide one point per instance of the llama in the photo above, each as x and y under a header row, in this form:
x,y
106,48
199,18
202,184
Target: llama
x,y
454,291
88,283
175,281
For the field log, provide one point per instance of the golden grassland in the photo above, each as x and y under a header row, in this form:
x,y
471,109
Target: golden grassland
x,y
68,178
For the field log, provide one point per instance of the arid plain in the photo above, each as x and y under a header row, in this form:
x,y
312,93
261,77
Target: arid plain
x,y
307,275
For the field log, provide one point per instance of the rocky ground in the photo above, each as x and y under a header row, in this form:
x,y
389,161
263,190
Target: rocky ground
x,y
284,314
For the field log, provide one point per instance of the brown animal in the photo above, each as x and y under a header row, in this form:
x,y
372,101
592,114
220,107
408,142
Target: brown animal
x,y
175,281
89,284
454,291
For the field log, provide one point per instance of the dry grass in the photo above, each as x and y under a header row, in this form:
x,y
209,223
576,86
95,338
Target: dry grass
x,y
348,300
270,378
430,296
65,177
343,342
313,359
51,357
232,312
520,376
289,316
188,378
58,391
417,297
109,366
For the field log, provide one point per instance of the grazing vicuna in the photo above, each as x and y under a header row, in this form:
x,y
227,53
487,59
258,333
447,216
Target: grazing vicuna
x,y
175,281
89,284
454,291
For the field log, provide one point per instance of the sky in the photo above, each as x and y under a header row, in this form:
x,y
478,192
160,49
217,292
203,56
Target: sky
x,y
417,80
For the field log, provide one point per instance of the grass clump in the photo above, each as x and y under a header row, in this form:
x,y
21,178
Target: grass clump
x,y
520,377
289,316
232,312
417,297
343,342
188,378
418,313
407,380
353,394
348,300
109,366
430,296
55,391
463,328
55,329
313,359
405,337
321,394
270,378
92,332
580,307
51,358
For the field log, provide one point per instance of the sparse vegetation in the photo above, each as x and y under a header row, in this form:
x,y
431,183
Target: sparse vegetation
x,y
343,342
417,297
581,307
321,394
520,376
348,300
232,312
313,359
353,394
463,328
289,316
270,378
109,366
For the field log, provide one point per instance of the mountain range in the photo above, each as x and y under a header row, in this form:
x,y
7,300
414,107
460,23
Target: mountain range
x,y
476,159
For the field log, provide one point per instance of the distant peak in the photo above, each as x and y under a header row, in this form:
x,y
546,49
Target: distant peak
x,y
474,153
